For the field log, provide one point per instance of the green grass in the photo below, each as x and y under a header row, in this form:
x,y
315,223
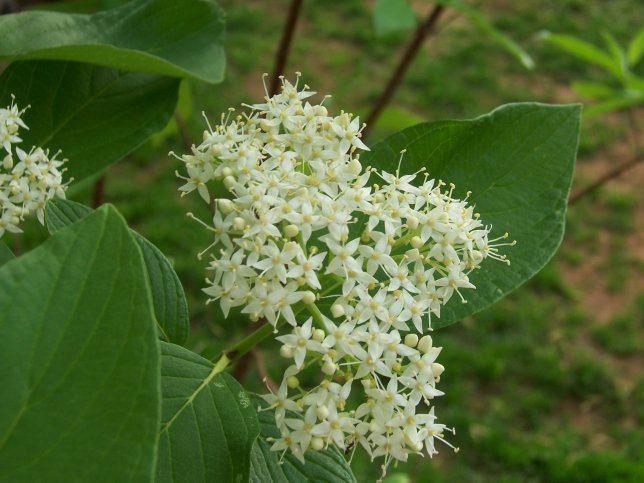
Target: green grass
x,y
531,384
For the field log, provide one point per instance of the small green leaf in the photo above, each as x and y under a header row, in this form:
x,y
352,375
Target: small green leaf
x,y
518,162
615,104
93,114
636,49
208,423
79,359
5,253
393,16
179,38
170,306
326,465
585,51
593,90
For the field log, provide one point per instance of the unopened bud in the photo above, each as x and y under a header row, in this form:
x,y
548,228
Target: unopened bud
x,y
291,231
317,444
412,222
318,335
425,344
226,172
229,182
337,310
293,382
322,412
417,242
286,352
308,297
7,163
354,166
226,206
437,369
411,340
329,368
239,223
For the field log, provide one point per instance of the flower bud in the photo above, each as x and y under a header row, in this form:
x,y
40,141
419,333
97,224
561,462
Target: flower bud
x,y
354,166
293,382
412,222
317,444
239,223
322,412
291,231
329,368
318,335
229,182
286,352
226,206
309,297
425,344
7,163
437,369
227,172
411,340
337,310
417,242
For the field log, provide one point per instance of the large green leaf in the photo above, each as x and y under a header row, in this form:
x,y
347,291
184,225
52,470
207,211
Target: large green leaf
x,y
79,358
392,16
208,423
518,162
326,465
5,253
168,298
179,38
93,114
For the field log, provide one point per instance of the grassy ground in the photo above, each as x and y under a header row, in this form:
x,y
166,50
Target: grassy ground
x,y
545,386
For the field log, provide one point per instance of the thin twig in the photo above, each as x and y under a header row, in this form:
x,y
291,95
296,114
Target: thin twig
x,y
613,173
261,369
98,198
422,32
285,45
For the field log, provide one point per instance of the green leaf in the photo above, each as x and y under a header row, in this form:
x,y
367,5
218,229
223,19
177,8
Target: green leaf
x,y
79,360
393,16
488,28
208,422
585,51
179,38
5,253
326,465
615,104
636,49
94,115
168,298
518,162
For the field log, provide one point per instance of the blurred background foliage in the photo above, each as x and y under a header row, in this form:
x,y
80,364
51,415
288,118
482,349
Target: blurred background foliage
x,y
545,386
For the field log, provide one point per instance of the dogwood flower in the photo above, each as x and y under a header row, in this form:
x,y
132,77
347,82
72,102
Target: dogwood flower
x,y
28,179
356,261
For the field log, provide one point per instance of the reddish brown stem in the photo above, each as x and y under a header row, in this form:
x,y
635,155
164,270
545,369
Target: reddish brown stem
x,y
183,131
98,198
285,45
612,174
422,32
261,369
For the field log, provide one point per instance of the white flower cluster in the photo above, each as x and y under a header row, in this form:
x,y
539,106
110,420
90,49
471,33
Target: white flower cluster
x,y
369,255
27,179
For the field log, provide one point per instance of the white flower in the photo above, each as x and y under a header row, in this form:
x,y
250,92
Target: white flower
x,y
28,179
303,225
